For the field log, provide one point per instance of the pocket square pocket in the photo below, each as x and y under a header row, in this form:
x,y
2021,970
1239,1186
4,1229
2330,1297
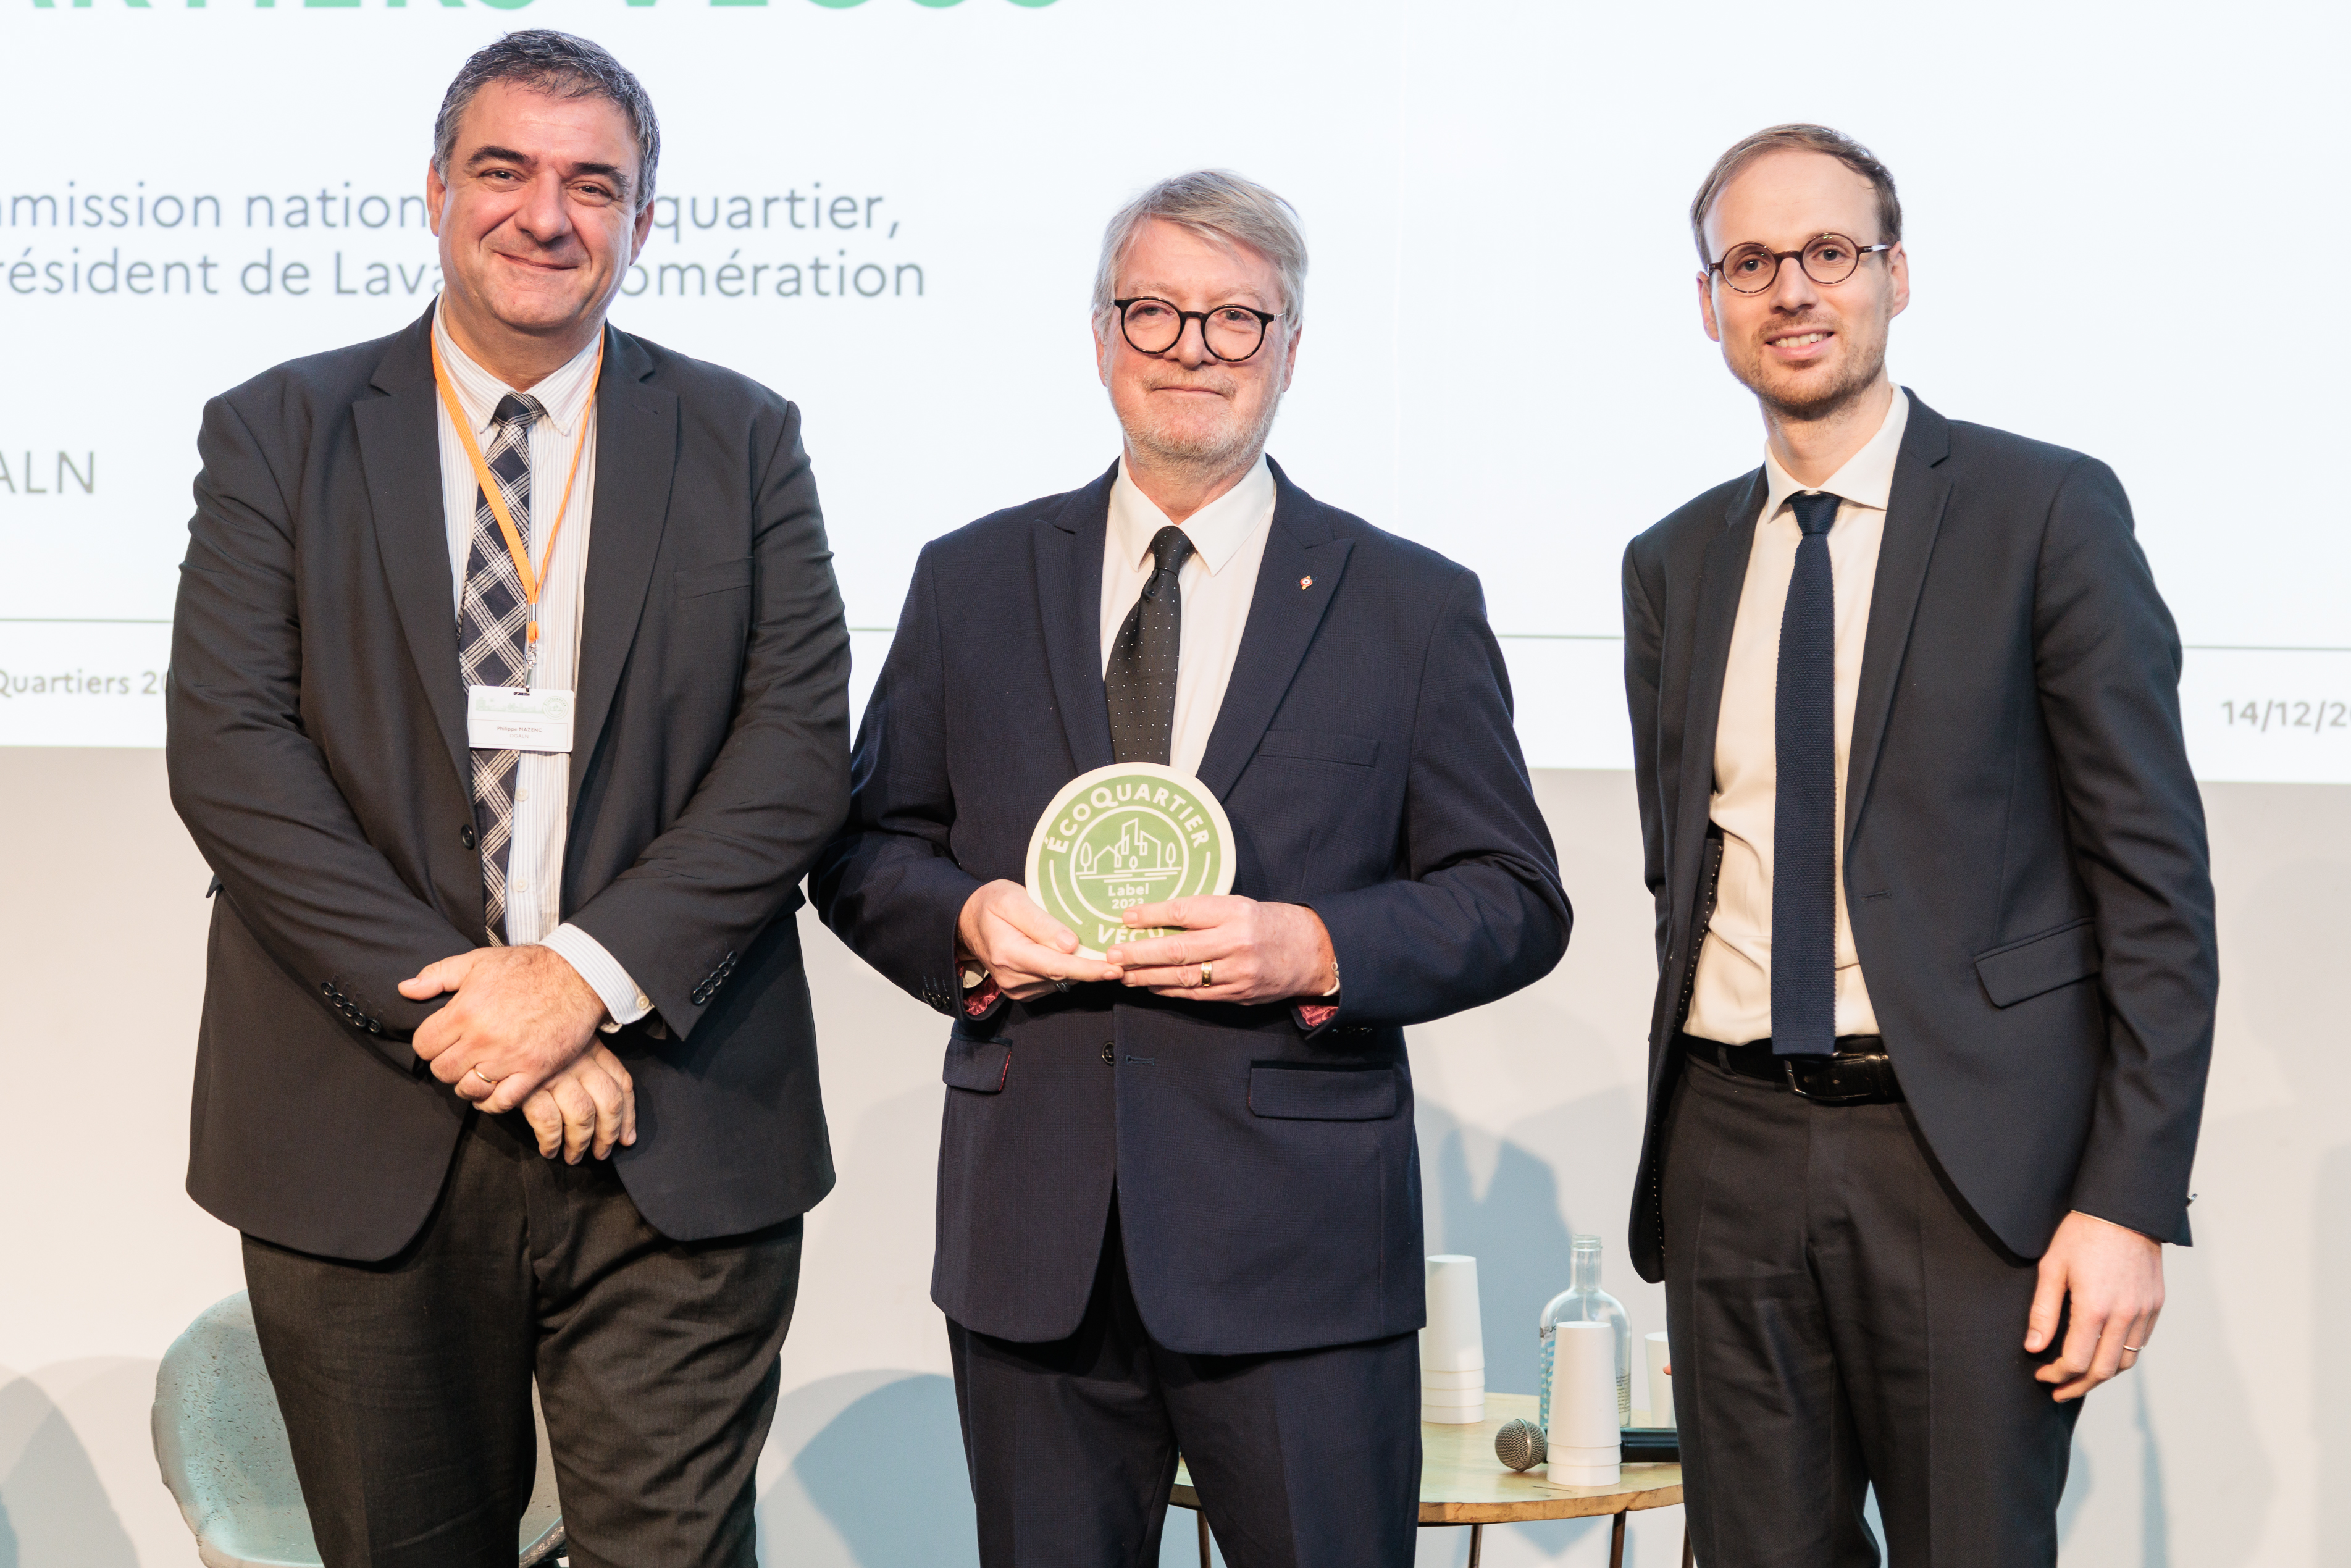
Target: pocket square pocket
x,y
2025,969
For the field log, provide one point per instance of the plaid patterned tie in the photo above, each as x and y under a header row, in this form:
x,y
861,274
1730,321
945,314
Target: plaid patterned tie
x,y
491,650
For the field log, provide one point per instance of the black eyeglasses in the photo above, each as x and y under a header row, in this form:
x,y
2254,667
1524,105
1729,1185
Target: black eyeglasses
x,y
1828,260
1232,333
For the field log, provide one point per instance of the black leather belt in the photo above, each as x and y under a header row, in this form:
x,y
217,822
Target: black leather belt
x,y
1860,1073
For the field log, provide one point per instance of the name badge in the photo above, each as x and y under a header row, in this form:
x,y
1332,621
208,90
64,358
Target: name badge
x,y
502,718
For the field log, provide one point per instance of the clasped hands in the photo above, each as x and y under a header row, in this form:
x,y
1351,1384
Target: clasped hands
x,y
520,1033
1253,951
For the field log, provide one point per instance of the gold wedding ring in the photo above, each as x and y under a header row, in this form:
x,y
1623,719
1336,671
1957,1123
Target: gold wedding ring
x,y
484,1076
1206,978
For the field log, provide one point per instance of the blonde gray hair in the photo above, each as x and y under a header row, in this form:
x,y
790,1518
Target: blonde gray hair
x,y
1800,138
1218,206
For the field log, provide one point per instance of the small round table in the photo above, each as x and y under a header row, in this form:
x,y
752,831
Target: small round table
x,y
1461,1482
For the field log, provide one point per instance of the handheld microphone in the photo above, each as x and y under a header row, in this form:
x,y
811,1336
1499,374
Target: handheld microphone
x,y
1520,1445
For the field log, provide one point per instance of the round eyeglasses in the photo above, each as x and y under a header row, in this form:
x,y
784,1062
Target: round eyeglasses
x,y
1829,259
1232,333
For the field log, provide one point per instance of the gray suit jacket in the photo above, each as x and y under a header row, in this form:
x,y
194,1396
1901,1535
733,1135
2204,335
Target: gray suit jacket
x,y
318,754
2025,855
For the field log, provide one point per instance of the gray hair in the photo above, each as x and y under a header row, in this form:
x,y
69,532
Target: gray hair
x,y
1217,205
563,65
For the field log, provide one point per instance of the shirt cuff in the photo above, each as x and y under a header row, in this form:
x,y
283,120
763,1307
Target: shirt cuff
x,y
622,1000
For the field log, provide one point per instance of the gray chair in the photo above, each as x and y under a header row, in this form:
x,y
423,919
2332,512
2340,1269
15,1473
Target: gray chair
x,y
222,1445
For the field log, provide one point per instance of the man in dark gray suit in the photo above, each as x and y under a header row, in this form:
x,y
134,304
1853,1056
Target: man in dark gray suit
x,y
507,706
1935,928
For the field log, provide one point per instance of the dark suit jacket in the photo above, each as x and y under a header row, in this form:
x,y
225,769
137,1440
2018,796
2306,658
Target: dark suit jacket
x,y
2024,856
1266,1179
318,754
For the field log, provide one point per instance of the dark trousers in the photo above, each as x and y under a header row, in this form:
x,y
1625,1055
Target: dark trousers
x,y
406,1384
1305,1459
1838,1323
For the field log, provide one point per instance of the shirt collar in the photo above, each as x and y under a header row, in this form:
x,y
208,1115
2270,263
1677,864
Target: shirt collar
x,y
1867,477
1216,530
564,394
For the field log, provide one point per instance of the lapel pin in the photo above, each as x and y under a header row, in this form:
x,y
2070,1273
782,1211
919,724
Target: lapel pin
x,y
1305,582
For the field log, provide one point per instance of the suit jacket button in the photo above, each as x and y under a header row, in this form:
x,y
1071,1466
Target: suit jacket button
x,y
466,835
1110,1054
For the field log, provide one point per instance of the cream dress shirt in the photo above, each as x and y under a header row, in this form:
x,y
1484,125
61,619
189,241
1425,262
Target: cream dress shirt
x,y
1216,583
1732,998
543,782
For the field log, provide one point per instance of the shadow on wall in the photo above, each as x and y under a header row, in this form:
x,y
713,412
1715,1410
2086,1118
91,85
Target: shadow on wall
x,y
857,1467
54,1511
1519,1227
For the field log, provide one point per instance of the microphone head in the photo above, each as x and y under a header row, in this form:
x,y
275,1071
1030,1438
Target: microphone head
x,y
1520,1445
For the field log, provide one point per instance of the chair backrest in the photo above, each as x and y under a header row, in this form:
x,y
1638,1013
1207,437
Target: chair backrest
x,y
221,1443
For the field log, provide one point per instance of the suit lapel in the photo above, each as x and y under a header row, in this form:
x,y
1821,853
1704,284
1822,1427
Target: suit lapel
x,y
1069,556
400,452
636,457
1283,618
1914,515
1722,574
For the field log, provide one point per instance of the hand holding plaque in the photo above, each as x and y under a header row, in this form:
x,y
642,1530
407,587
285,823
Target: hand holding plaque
x,y
1137,859
1131,835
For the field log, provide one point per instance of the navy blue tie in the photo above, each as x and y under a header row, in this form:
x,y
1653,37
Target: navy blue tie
x,y
1803,819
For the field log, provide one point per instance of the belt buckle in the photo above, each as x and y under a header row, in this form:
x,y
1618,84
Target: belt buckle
x,y
1788,1069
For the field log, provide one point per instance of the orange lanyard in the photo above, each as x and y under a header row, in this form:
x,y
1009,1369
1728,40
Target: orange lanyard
x,y
531,584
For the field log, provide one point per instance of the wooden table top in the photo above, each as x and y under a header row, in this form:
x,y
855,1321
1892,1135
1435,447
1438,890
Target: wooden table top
x,y
1461,1481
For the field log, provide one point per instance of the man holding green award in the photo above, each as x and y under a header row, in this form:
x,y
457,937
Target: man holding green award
x,y
1182,794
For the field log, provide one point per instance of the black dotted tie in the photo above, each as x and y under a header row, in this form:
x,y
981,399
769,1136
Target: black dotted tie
x,y
1141,680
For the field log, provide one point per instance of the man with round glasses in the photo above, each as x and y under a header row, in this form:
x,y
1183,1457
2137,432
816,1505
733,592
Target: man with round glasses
x,y
1935,924
1179,1205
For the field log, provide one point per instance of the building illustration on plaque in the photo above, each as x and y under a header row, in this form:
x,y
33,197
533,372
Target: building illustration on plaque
x,y
1139,855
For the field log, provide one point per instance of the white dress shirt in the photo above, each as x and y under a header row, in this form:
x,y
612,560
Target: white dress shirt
x,y
1216,584
543,782
1731,1000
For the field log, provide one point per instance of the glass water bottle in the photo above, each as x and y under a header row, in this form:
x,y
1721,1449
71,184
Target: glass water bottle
x,y
1585,1301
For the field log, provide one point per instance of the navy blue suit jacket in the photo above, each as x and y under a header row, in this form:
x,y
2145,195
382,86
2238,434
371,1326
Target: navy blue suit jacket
x,y
2025,855
1268,1185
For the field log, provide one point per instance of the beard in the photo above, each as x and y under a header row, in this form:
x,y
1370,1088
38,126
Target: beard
x,y
1802,400
1209,448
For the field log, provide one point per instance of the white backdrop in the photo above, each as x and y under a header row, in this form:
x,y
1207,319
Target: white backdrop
x,y
2112,208
2106,206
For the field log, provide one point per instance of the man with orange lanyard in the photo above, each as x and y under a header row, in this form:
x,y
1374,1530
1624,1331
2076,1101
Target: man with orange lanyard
x,y
508,708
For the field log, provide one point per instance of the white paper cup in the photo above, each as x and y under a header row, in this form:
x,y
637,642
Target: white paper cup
x,y
1452,1395
1583,1387
1455,1339
1473,1378
1453,1415
1584,1474
1661,1382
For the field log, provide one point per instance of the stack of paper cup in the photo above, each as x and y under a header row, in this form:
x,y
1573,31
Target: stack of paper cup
x,y
1585,1446
1452,1346
1661,1382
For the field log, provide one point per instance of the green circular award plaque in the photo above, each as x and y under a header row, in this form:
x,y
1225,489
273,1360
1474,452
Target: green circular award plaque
x,y
1134,832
